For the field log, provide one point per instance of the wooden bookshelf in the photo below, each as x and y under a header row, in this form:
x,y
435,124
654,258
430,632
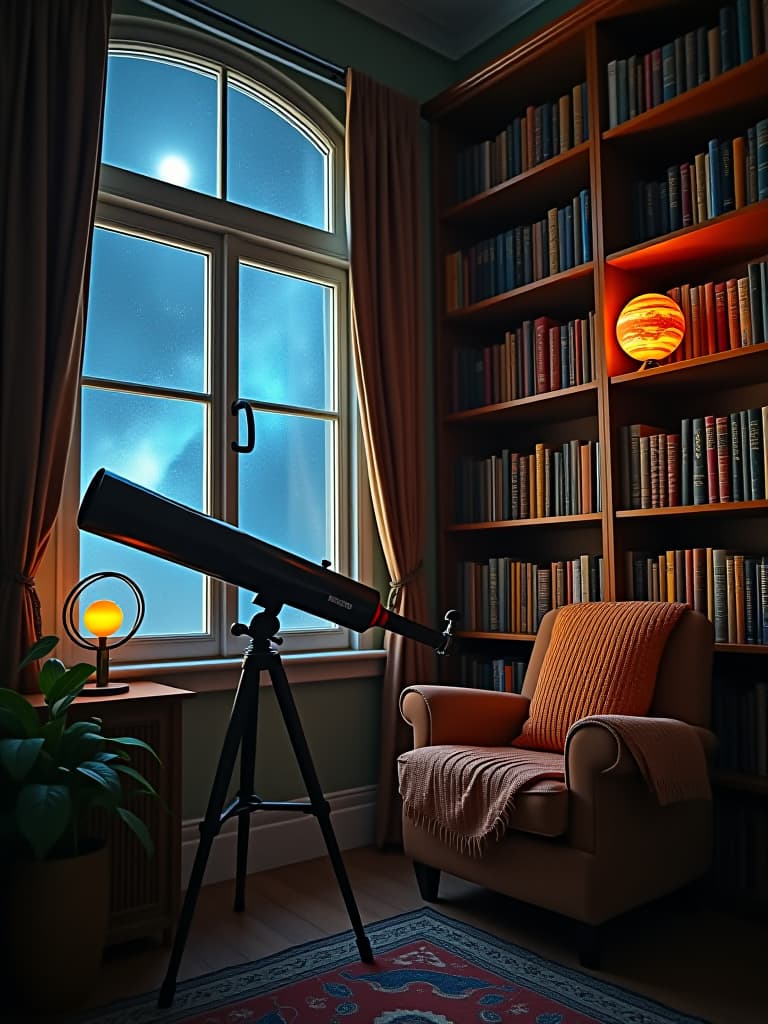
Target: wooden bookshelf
x,y
577,48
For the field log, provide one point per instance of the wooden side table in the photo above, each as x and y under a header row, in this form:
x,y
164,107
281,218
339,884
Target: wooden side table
x,y
145,890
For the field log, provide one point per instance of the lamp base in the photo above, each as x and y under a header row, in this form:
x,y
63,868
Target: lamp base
x,y
649,364
94,690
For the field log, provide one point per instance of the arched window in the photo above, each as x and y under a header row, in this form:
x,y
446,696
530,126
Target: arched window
x,y
218,273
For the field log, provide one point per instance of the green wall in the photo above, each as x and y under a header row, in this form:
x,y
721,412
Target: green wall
x,y
340,721
512,34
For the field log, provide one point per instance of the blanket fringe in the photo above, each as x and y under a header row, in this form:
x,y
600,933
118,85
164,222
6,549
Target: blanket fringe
x,y
466,845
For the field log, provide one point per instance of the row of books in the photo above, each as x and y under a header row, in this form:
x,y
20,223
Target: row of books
x,y
521,255
723,315
728,175
730,588
505,675
504,595
642,81
740,721
538,134
540,355
711,459
741,840
550,481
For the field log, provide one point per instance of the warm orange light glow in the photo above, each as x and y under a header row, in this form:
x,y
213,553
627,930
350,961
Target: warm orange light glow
x,y
650,326
103,618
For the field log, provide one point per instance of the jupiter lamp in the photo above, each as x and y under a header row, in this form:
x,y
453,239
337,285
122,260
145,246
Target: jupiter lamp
x,y
650,327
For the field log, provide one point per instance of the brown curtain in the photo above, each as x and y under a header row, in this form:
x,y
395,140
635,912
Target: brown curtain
x,y
52,77
382,143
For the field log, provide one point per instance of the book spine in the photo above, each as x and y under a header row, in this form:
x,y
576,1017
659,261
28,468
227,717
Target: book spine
x,y
686,463
720,595
756,470
699,461
673,471
736,477
723,458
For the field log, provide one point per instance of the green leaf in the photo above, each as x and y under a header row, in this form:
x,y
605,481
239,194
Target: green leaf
x,y
102,774
70,683
42,815
131,741
147,786
17,715
18,756
82,746
49,673
38,650
105,757
137,826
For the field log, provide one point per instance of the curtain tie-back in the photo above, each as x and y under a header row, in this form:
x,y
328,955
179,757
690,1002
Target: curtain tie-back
x,y
28,582
395,586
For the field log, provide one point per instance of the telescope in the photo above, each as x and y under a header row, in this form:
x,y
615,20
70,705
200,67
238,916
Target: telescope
x,y
120,510
123,511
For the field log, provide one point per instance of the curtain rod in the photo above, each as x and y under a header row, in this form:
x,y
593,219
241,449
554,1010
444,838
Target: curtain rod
x,y
329,73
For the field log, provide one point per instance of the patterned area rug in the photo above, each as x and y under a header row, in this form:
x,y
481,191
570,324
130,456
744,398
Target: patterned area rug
x,y
428,969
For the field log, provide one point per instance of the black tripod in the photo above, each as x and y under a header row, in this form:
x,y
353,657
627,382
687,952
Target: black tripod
x,y
260,655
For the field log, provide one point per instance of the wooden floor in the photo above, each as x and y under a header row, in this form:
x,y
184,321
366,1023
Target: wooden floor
x,y
697,960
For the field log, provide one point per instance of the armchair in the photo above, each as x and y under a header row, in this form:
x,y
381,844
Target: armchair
x,y
597,843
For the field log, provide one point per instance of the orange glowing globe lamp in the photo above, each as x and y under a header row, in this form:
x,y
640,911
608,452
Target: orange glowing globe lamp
x,y
103,618
650,327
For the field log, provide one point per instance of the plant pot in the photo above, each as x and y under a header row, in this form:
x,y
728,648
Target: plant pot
x,y
56,923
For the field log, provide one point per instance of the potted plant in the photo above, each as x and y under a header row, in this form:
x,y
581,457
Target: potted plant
x,y
56,779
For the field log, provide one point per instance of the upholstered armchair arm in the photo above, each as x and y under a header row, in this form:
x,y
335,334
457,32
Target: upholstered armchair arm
x,y
602,770
459,714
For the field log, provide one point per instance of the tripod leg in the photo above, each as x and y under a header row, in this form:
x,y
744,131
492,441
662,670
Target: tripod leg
x,y
319,803
247,779
209,829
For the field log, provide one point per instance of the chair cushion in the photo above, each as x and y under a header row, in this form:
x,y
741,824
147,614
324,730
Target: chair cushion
x,y
541,808
602,659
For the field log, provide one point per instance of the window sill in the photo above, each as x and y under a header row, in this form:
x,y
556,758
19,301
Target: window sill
x,y
221,674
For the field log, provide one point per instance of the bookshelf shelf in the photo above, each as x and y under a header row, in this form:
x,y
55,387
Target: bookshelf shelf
x,y
729,238
541,521
744,783
730,89
741,648
532,188
754,508
571,288
566,404
730,369
478,635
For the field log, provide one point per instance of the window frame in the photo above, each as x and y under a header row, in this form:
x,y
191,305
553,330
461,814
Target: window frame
x,y
153,208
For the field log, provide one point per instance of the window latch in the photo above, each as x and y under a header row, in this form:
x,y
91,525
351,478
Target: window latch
x,y
250,425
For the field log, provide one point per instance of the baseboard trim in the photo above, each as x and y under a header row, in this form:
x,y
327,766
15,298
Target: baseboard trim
x,y
282,837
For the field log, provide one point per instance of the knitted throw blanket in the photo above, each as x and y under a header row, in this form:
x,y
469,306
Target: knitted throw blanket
x,y
668,753
466,795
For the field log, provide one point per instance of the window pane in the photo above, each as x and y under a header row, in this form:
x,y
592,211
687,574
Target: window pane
x,y
286,333
286,497
157,443
271,165
161,119
147,316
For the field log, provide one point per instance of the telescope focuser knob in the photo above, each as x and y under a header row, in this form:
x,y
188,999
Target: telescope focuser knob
x,y
452,617
326,563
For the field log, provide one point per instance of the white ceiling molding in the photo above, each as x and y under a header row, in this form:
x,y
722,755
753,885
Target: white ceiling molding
x,y
450,27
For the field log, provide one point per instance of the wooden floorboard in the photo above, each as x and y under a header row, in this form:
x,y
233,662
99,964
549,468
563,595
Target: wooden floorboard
x,y
700,961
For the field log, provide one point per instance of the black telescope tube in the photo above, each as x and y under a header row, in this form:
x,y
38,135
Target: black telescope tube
x,y
122,511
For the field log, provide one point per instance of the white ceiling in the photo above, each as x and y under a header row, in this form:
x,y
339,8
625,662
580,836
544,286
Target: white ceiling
x,y
450,27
